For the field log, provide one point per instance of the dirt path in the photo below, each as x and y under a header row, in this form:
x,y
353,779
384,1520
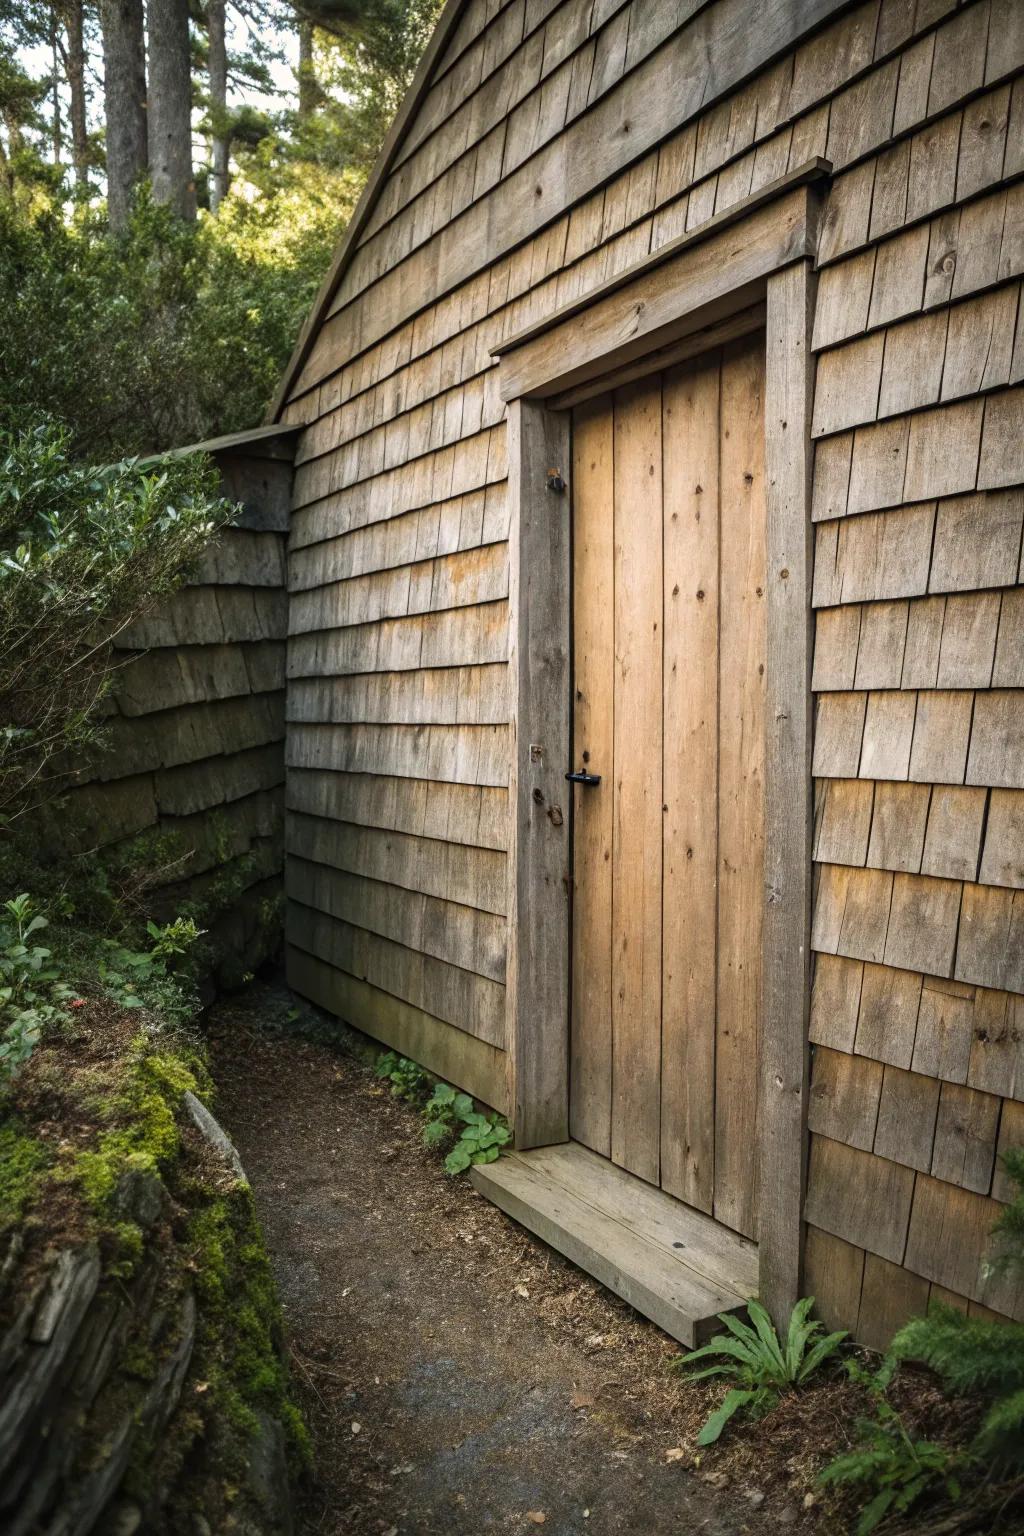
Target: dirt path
x,y
458,1377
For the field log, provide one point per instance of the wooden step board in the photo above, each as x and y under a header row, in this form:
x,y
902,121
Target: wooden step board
x,y
677,1266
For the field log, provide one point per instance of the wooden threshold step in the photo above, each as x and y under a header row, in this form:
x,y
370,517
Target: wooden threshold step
x,y
677,1266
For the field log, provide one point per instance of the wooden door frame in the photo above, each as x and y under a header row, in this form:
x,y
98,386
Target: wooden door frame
x,y
682,297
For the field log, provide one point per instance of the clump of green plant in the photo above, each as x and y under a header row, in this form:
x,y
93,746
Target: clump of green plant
x,y
32,990
481,1135
408,1081
898,1467
972,1356
144,978
763,1367
451,1116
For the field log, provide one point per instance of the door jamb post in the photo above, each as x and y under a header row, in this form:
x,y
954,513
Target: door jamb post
x,y
789,792
537,972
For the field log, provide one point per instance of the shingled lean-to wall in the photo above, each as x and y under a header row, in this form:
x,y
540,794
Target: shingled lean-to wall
x,y
546,148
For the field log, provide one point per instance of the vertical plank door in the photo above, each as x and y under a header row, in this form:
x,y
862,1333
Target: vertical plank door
x,y
669,649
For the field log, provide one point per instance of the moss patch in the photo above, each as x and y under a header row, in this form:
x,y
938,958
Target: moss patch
x,y
96,1147
23,1161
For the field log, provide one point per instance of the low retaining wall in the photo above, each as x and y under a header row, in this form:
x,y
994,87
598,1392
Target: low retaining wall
x,y
99,1374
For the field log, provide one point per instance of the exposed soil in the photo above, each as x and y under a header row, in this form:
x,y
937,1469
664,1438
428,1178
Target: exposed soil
x,y
457,1375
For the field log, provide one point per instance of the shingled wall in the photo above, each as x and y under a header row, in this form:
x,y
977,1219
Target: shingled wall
x,y
556,145
192,777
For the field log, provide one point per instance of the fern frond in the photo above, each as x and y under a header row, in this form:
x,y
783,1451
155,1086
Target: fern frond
x,y
1001,1435
969,1353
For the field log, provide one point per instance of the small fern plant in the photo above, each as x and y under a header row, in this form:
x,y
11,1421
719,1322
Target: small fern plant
x,y
897,1469
756,1359
973,1355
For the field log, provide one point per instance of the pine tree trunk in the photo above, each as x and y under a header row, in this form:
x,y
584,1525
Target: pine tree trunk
x,y
74,25
307,77
170,107
218,68
58,131
124,104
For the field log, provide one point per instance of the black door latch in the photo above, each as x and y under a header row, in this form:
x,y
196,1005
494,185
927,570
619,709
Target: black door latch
x,y
590,779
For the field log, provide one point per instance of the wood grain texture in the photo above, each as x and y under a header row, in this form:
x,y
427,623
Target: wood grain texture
x,y
538,963
742,746
690,779
592,481
787,706
637,813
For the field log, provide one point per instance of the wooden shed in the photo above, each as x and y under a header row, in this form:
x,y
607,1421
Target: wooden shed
x,y
661,426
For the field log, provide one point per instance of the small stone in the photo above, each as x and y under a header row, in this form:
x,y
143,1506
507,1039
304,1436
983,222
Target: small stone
x,y
715,1479
755,1496
787,1515
809,1501
138,1196
356,1427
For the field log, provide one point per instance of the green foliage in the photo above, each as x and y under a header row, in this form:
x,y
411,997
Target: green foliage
x,y
167,335
32,990
758,1361
142,978
973,1355
408,1081
450,1116
894,1467
363,68
83,552
481,1135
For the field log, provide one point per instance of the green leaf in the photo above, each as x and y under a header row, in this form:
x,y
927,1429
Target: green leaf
x,y
458,1159
822,1350
721,1344
769,1338
872,1515
735,1399
801,1328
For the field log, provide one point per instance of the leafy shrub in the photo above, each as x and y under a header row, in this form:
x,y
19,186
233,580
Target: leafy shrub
x,y
168,335
32,991
755,1358
83,552
899,1468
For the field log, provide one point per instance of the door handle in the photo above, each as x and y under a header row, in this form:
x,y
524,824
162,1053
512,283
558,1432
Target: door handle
x,y
589,779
